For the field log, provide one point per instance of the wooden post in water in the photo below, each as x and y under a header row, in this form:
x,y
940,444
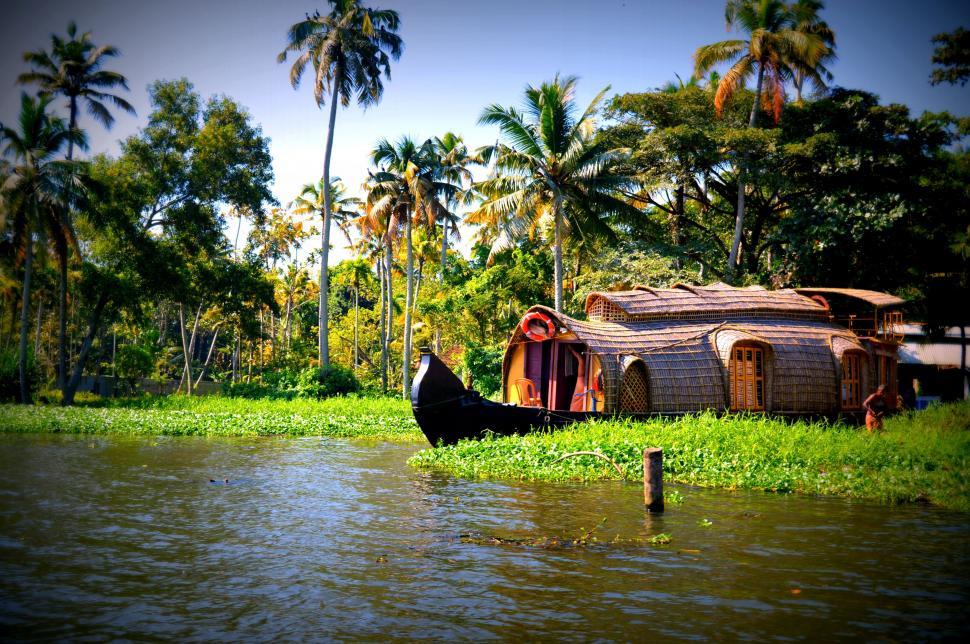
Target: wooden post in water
x,y
653,479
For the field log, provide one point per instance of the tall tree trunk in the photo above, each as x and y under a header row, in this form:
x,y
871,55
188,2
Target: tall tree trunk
x,y
323,349
356,323
272,337
208,357
62,318
192,342
261,346
25,321
185,352
444,248
288,328
235,243
408,298
73,125
237,354
94,323
678,221
417,287
444,265
40,321
383,323
557,253
62,362
389,278
739,219
163,326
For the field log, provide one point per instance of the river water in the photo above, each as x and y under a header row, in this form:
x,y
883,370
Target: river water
x,y
127,538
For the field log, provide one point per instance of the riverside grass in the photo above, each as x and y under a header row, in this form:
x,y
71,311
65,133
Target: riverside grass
x,y
374,418
919,456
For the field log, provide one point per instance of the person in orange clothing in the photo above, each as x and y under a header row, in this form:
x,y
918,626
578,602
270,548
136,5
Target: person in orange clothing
x,y
875,406
578,403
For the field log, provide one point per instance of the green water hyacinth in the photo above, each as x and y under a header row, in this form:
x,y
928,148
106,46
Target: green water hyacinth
x,y
921,456
374,418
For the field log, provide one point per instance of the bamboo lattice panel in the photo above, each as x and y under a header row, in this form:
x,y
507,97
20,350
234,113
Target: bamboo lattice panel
x,y
634,393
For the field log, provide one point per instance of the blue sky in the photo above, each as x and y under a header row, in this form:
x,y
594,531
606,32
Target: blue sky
x,y
459,56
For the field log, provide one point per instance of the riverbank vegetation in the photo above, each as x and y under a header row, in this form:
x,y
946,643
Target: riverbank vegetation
x,y
920,456
133,264
350,417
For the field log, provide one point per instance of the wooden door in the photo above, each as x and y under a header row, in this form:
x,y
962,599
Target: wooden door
x,y
851,381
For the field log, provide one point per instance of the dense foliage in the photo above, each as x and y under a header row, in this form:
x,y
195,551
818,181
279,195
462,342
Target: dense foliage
x,y
134,264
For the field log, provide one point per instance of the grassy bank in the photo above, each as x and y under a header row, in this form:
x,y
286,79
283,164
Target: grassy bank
x,y
380,418
919,456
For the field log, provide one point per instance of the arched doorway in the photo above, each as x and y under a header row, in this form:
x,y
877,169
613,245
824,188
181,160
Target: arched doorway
x,y
634,389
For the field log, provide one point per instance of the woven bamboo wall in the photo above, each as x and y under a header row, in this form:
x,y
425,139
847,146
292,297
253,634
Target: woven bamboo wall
x,y
687,361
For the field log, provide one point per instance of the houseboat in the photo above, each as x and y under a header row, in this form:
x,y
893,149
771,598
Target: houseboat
x,y
679,350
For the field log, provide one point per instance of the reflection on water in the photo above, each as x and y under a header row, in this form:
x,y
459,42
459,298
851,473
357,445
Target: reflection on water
x,y
316,538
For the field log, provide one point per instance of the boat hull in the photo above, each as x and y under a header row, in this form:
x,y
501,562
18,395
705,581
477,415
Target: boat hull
x,y
448,412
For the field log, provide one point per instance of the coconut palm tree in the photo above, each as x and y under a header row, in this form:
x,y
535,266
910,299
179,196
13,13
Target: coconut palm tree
x,y
356,272
332,206
376,241
73,68
773,49
550,166
350,50
807,21
36,193
453,164
405,189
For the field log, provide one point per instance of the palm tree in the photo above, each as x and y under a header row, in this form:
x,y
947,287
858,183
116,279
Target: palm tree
x,y
356,271
36,193
453,163
773,49
376,240
331,206
73,69
404,190
807,21
551,166
350,50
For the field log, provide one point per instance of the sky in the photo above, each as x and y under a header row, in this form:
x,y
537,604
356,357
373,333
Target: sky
x,y
459,56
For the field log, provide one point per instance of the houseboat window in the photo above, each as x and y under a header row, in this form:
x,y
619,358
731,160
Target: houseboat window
x,y
747,378
851,381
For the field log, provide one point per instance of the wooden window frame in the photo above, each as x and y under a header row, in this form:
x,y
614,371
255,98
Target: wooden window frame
x,y
851,382
748,385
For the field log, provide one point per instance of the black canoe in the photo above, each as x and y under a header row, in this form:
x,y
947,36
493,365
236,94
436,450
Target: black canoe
x,y
447,411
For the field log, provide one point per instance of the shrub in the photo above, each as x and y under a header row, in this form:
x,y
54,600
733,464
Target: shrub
x,y
10,374
327,381
484,365
133,363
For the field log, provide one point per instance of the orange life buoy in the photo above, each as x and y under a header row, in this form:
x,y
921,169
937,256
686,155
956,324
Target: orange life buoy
x,y
533,334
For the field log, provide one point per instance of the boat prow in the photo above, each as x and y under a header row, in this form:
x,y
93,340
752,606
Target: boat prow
x,y
448,412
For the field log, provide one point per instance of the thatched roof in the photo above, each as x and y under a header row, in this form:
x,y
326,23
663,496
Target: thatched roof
x,y
875,298
715,301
